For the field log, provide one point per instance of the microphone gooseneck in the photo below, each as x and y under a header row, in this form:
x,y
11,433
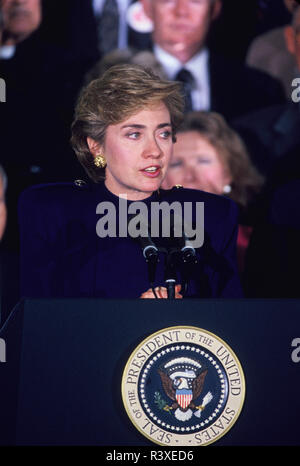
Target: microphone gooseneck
x,y
179,255
149,251
170,272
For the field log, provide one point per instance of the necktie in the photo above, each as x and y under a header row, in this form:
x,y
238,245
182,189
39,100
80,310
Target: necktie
x,y
108,27
188,82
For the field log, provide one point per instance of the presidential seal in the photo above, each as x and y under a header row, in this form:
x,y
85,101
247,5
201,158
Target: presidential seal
x,y
183,386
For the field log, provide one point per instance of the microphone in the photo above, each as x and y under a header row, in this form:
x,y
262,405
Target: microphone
x,y
176,246
188,252
179,250
149,251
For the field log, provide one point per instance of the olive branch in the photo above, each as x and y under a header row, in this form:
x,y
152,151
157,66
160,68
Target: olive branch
x,y
161,403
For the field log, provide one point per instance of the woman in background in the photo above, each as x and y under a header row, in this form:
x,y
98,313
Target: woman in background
x,y
210,156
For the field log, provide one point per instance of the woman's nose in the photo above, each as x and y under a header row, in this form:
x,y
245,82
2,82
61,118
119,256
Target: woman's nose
x,y
152,148
189,174
180,8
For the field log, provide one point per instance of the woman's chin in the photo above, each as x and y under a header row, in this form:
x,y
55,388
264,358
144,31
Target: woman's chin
x,y
151,185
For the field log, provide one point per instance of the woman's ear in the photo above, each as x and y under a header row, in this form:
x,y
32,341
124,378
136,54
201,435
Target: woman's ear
x,y
227,176
94,146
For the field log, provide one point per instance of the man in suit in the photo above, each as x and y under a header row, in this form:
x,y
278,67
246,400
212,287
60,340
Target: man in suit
x,y
121,24
272,132
43,78
269,51
269,134
43,70
181,29
21,18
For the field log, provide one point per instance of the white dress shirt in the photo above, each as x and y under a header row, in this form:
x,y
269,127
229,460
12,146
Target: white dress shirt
x,y
122,6
197,66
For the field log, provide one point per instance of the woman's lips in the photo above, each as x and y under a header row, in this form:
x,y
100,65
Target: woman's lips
x,y
152,172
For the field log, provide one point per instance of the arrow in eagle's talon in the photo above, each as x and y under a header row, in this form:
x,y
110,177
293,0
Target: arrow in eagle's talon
x,y
207,399
168,408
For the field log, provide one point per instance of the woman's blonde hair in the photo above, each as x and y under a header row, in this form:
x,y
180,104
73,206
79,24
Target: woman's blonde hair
x,y
122,91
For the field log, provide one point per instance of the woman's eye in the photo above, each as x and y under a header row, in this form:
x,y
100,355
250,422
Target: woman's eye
x,y
175,164
203,161
165,134
134,135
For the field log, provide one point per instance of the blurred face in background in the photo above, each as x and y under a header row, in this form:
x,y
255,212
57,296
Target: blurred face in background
x,y
21,18
291,5
181,26
2,209
196,165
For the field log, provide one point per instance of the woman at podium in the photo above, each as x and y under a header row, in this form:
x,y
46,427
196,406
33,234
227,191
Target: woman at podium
x,y
108,236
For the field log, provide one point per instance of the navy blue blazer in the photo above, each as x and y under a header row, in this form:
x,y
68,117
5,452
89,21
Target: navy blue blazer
x,y
62,256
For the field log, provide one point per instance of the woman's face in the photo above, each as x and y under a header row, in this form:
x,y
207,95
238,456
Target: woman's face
x,y
138,152
196,164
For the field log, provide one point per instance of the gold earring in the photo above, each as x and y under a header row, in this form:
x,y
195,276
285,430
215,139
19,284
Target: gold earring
x,y
100,161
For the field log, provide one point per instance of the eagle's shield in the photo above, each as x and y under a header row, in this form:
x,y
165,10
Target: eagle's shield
x,y
184,398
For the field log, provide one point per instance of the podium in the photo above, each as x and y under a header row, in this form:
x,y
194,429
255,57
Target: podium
x,y
61,382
